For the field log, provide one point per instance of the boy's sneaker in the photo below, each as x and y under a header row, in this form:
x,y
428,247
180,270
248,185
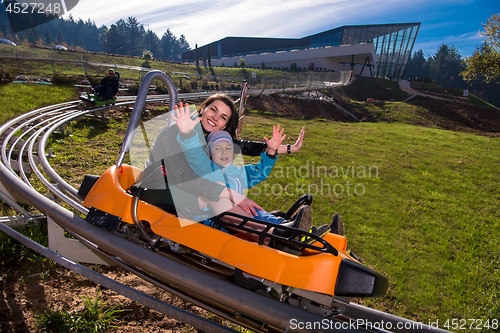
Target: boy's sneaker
x,y
350,253
337,225
303,219
317,231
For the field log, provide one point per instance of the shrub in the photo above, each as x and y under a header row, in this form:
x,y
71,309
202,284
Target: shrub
x,y
6,75
96,316
429,80
194,84
161,89
94,80
133,89
64,80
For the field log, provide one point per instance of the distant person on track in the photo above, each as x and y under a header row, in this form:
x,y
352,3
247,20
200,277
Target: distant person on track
x,y
108,87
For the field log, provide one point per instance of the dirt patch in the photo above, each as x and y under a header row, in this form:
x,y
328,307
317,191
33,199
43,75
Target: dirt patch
x,y
26,294
457,116
315,105
448,115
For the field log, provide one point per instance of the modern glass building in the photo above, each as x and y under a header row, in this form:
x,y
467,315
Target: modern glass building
x,y
393,44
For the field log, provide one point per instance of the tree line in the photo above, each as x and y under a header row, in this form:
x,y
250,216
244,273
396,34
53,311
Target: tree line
x,y
126,37
480,73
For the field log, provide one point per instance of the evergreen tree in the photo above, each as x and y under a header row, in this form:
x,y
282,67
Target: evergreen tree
x,y
155,45
135,34
446,65
47,36
183,44
33,35
116,39
197,58
4,25
60,37
417,66
209,57
80,42
101,37
167,43
123,37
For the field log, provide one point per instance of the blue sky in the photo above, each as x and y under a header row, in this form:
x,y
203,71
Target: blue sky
x,y
454,22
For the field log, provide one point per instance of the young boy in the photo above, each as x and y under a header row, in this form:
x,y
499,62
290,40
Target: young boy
x,y
218,166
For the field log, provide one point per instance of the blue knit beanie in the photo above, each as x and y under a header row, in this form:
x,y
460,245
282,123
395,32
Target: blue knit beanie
x,y
216,137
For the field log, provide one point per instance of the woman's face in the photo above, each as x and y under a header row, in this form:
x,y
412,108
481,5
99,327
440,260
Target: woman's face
x,y
215,116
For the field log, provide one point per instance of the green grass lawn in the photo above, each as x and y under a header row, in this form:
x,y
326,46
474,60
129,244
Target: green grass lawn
x,y
20,98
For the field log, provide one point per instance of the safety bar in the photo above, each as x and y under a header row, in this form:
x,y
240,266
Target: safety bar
x,y
294,233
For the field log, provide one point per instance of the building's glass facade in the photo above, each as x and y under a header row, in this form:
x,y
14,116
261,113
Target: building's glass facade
x,y
393,44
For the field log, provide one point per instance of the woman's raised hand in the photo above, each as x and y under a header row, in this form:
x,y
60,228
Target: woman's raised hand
x,y
283,149
183,119
276,140
298,144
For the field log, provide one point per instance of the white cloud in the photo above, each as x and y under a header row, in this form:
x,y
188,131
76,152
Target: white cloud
x,y
203,22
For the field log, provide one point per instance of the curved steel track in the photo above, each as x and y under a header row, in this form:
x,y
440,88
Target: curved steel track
x,y
25,139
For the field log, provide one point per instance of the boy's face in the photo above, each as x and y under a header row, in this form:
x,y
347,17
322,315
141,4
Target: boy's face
x,y
223,154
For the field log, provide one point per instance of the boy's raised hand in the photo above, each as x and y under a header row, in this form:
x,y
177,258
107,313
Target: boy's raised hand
x,y
276,140
183,120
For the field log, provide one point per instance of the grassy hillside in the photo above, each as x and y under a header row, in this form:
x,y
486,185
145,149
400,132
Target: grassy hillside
x,y
380,89
42,69
393,105
385,90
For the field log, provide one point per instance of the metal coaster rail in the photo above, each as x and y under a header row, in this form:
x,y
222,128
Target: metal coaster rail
x,y
244,307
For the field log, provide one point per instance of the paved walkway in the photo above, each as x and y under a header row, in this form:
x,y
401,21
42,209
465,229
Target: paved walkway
x,y
405,86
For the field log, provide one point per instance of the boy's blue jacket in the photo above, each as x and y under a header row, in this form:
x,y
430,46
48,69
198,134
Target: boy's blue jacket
x,y
235,177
